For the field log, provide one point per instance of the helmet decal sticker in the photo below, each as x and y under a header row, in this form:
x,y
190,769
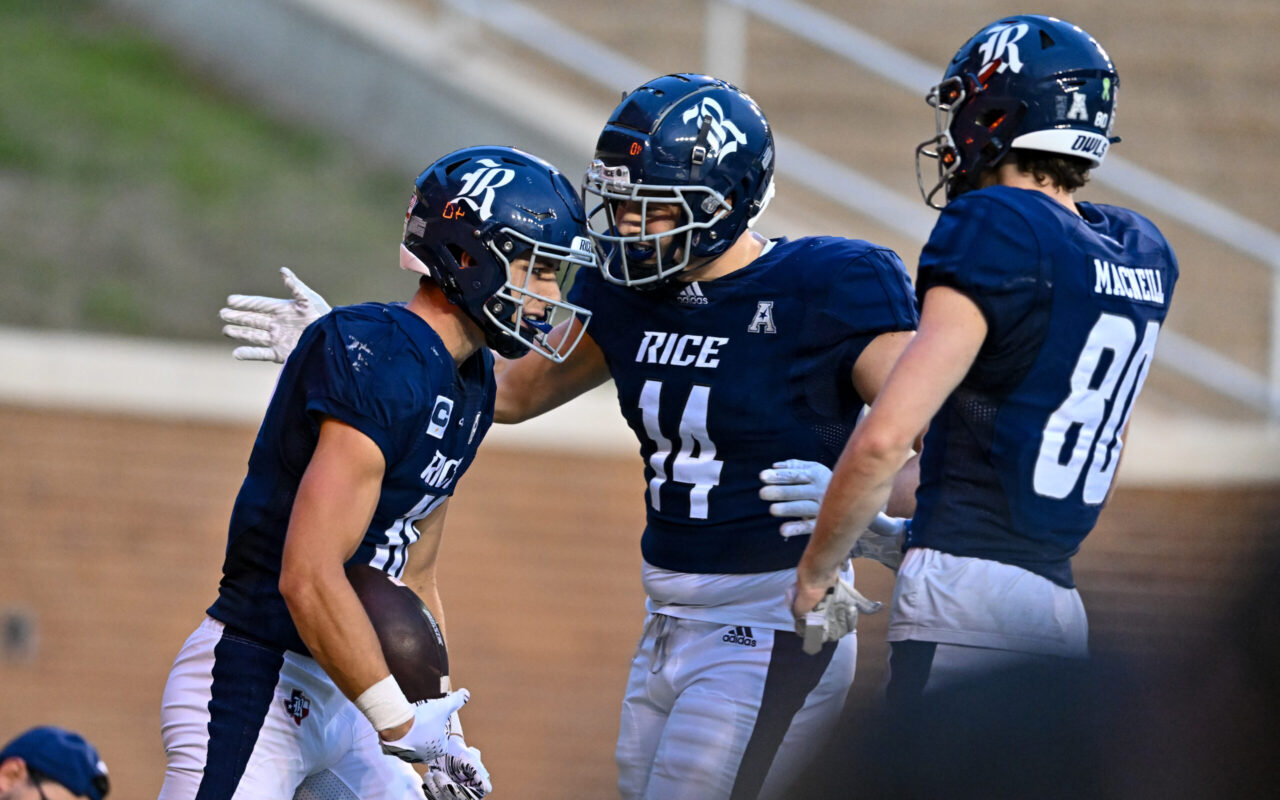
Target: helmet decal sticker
x,y
724,136
1079,109
1000,50
481,183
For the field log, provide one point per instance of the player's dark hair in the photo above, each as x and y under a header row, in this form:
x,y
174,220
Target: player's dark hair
x,y
1066,172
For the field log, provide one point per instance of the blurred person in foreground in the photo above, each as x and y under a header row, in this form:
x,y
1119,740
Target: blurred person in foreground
x,y
48,763
1039,319
374,419
1194,718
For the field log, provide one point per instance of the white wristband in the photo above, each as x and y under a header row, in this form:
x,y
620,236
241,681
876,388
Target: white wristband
x,y
385,705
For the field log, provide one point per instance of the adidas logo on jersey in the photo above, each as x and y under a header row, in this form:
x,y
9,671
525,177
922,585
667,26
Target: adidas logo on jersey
x,y
740,635
691,295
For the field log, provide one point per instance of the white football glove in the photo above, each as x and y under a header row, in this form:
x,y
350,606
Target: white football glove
x,y
794,488
882,541
427,739
835,616
458,773
270,326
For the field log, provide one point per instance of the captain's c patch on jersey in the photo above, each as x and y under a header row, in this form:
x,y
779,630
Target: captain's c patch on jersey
x,y
440,416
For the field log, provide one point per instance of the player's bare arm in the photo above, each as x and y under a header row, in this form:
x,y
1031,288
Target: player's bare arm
x,y
951,333
336,500
528,387
870,372
459,772
420,571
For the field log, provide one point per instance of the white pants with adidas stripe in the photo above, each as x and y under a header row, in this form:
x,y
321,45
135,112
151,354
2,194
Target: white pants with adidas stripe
x,y
724,712
241,721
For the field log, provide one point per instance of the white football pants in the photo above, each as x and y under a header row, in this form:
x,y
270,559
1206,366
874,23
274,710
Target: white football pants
x,y
242,721
714,712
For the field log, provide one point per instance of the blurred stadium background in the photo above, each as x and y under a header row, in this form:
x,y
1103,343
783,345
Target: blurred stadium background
x,y
156,156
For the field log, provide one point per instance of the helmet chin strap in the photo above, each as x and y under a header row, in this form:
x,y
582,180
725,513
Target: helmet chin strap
x,y
699,154
540,325
497,337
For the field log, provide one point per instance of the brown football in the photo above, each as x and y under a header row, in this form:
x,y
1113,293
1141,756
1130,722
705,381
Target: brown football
x,y
411,640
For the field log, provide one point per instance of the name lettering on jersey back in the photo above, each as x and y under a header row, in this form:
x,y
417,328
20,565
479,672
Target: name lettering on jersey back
x,y
1143,284
441,471
680,350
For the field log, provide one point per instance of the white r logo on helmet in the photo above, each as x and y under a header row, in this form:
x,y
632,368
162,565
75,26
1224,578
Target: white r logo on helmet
x,y
1001,44
724,136
481,183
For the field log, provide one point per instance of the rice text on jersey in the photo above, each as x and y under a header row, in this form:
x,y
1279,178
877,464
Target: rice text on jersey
x,y
678,350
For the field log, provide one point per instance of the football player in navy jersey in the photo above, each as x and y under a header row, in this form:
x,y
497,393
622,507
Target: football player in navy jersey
x,y
737,360
375,417
1038,324
730,353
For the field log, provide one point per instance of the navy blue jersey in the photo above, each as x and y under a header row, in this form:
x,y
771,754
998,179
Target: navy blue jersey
x,y
729,376
1018,462
384,371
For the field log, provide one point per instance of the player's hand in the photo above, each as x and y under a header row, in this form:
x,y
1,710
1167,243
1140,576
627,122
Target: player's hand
x,y
458,773
427,738
834,616
882,541
794,488
269,327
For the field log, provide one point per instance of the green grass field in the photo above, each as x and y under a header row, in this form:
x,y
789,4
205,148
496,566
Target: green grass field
x,y
136,192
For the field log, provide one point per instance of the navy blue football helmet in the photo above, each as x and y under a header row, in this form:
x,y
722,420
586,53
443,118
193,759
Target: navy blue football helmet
x,y
476,211
692,141
1026,82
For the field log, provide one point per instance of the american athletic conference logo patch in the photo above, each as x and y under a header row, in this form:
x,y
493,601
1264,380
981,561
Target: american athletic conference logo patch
x,y
298,706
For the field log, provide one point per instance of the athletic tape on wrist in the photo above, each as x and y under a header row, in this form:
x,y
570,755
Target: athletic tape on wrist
x,y
455,725
385,705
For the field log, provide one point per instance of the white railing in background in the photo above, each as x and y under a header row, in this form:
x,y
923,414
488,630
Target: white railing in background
x,y
725,43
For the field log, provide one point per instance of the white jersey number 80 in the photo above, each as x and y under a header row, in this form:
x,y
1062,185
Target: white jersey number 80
x,y
1092,410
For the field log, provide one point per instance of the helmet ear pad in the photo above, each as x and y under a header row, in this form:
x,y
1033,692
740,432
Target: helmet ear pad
x,y
460,265
986,130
